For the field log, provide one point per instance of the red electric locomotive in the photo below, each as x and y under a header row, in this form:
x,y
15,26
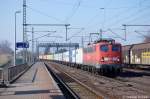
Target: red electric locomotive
x,y
103,55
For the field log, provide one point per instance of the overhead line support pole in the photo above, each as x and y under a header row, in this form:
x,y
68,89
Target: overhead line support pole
x,y
24,31
125,28
125,32
101,33
66,32
32,44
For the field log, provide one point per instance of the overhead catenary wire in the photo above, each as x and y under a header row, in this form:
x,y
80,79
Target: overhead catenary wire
x,y
44,14
143,13
74,10
128,17
116,34
131,14
110,19
141,2
75,34
145,36
91,6
119,8
87,24
133,18
109,9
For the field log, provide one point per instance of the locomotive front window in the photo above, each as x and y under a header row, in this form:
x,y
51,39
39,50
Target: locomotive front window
x,y
116,48
104,48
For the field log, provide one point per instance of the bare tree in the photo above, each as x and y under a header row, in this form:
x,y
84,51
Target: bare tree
x,y
5,47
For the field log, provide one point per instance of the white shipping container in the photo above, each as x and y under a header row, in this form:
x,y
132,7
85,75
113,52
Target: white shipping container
x,y
44,56
60,57
73,56
66,56
79,56
40,56
70,56
56,57
50,57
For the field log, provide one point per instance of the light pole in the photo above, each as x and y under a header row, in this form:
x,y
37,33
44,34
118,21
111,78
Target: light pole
x,y
15,38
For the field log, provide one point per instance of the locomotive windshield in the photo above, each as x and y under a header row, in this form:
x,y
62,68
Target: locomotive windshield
x,y
116,48
104,48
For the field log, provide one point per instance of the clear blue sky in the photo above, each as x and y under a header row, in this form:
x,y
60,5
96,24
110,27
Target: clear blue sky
x,y
85,14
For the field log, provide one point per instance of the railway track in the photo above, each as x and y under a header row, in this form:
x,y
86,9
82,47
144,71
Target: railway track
x,y
138,78
103,86
143,72
76,89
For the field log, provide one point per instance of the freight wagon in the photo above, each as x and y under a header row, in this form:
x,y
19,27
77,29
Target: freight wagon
x,y
136,54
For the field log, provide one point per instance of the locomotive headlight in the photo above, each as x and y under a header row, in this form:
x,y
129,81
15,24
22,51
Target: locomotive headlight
x,y
118,59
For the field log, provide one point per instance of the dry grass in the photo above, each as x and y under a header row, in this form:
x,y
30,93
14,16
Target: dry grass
x,y
4,58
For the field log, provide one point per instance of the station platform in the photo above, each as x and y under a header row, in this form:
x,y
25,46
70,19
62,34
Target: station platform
x,y
36,83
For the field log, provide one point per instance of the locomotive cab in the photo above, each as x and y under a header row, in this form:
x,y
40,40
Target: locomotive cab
x,y
104,55
110,56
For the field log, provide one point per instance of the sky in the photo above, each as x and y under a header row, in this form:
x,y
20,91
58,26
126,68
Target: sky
x,y
84,17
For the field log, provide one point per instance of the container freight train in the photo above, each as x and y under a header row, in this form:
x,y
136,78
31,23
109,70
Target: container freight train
x,y
103,56
136,54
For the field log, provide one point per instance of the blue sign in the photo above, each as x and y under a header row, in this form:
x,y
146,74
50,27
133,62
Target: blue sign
x,y
22,45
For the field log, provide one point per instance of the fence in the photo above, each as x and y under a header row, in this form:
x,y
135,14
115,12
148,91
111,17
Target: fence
x,y
15,71
1,76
